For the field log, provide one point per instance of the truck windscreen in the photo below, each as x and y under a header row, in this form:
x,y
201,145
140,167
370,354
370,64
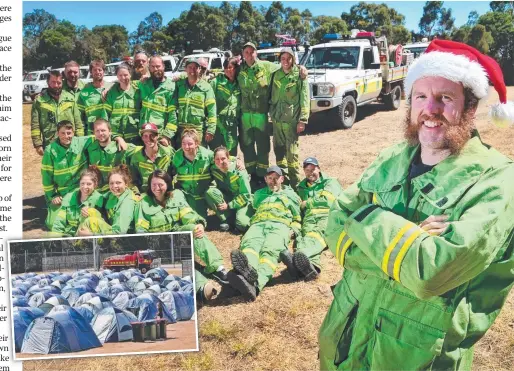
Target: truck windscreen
x,y
333,58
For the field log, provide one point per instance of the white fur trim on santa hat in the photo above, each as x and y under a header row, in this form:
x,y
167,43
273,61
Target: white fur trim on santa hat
x,y
502,114
456,68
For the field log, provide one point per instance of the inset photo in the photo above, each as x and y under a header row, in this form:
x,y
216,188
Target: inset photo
x,y
98,296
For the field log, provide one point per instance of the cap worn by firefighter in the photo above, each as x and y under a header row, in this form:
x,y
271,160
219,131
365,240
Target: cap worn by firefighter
x,y
249,44
149,127
310,161
464,64
288,51
193,60
274,169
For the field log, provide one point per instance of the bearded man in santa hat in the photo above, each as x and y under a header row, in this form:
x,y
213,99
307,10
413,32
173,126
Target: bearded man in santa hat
x,y
426,235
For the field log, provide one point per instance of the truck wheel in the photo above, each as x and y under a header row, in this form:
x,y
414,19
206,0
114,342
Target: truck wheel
x,y
346,113
144,270
393,100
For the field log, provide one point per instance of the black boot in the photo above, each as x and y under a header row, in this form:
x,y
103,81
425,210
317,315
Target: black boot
x,y
247,289
303,264
287,259
220,276
242,267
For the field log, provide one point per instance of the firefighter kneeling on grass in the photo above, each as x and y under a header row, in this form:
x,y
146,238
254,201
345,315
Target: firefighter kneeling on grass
x,y
277,216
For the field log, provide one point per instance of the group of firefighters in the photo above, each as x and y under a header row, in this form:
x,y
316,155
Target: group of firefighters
x,y
104,146
425,236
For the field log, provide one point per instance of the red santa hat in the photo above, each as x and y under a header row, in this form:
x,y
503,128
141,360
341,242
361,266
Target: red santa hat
x,y
459,62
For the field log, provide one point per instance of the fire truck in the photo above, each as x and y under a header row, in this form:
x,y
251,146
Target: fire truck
x,y
141,259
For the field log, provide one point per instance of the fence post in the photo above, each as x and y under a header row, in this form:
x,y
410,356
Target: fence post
x,y
25,265
172,250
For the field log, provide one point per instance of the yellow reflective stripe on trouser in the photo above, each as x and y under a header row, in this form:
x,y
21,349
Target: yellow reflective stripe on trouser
x,y
267,261
343,243
250,251
408,239
317,236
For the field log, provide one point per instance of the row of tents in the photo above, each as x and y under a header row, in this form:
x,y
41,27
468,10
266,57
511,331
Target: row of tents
x,y
61,313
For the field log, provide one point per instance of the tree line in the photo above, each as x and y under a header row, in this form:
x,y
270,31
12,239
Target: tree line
x,y
49,41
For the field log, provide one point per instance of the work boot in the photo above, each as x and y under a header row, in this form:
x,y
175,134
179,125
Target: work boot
x,y
220,275
287,259
242,267
247,289
224,227
303,264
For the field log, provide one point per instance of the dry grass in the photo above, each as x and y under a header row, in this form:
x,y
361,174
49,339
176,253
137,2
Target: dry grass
x,y
279,330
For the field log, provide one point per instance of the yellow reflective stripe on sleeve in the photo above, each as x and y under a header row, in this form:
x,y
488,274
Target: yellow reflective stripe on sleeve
x,y
296,225
35,132
184,211
391,246
343,243
208,102
262,166
154,107
374,200
48,188
47,168
61,213
403,250
123,111
328,195
267,261
250,251
66,105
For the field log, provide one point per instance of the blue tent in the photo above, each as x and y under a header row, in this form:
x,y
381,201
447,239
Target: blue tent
x,y
86,313
113,325
170,278
63,330
157,274
188,289
173,286
158,303
121,300
17,292
39,298
22,318
184,304
72,294
20,302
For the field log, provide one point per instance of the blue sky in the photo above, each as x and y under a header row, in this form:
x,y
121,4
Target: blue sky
x,y
130,13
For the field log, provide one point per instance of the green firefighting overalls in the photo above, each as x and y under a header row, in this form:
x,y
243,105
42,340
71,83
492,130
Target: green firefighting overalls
x,y
410,300
124,108
254,133
60,171
228,104
319,197
196,109
69,219
142,167
290,103
194,178
234,189
158,106
276,215
92,107
47,113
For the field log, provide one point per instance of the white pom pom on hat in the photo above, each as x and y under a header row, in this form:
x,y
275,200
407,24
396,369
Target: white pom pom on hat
x,y
462,63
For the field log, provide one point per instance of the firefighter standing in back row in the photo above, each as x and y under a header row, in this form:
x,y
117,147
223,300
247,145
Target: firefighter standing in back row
x,y
426,235
53,106
196,104
289,111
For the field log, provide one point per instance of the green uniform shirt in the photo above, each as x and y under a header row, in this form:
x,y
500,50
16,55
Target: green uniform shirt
x,y
152,217
74,92
91,106
411,299
290,99
108,157
120,211
282,206
193,177
319,196
236,183
196,106
124,108
228,96
141,166
158,106
61,167
47,113
69,217
254,82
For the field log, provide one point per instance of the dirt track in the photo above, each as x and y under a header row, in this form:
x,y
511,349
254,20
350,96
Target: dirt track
x,y
279,330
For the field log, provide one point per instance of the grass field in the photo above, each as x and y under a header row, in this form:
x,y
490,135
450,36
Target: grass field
x,y
279,330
